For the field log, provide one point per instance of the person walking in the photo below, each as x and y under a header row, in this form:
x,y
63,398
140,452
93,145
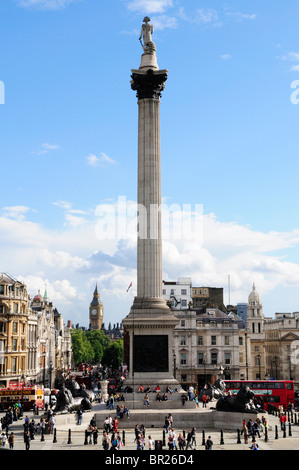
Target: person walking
x,y
189,439
193,437
181,442
151,443
105,441
27,440
244,431
95,434
11,440
3,437
209,444
79,414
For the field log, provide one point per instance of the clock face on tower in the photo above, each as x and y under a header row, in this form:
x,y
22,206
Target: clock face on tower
x,y
94,311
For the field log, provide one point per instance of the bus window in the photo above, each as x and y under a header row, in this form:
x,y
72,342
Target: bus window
x,y
278,385
268,399
289,386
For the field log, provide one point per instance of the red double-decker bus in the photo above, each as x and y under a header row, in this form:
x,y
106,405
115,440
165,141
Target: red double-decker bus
x,y
266,392
27,396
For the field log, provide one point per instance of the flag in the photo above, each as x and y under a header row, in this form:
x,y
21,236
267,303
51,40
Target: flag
x,y
129,287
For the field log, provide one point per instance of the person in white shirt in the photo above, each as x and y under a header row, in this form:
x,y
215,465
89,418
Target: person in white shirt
x,y
151,443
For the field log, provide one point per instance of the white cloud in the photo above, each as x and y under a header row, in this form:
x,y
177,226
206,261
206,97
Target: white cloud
x,y
15,212
67,259
103,160
295,68
241,16
46,148
206,17
44,4
225,56
165,21
149,6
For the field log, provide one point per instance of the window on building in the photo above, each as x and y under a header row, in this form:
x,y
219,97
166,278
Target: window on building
x,y
183,341
14,364
259,327
183,378
1,289
2,327
15,327
227,358
171,291
240,340
2,309
15,308
200,358
183,359
15,345
214,356
213,340
182,323
183,291
164,291
184,303
200,341
226,340
253,328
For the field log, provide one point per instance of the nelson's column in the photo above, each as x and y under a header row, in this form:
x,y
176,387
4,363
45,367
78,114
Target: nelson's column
x,y
150,323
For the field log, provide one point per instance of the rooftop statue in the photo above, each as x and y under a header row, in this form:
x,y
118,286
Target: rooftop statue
x,y
147,30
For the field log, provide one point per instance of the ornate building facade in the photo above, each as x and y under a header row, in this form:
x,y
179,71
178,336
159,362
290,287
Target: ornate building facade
x,y
35,345
14,311
213,344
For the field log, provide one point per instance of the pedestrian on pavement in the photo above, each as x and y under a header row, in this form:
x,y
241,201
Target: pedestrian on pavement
x,y
11,440
193,437
189,439
151,443
3,437
181,441
105,441
95,433
244,431
27,440
79,414
209,444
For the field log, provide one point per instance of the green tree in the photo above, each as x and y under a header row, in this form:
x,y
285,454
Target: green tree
x,y
113,354
81,347
99,342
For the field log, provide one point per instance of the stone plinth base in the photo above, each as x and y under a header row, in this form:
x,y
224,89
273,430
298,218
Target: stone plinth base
x,y
209,420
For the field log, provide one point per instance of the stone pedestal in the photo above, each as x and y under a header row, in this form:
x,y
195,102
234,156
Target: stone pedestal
x,y
104,389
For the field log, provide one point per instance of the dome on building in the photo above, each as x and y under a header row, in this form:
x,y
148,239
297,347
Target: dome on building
x,y
254,297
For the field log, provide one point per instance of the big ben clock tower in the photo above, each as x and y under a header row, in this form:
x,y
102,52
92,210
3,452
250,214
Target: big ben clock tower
x,y
96,311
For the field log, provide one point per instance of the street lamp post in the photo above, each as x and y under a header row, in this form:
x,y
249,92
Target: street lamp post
x,y
174,365
259,364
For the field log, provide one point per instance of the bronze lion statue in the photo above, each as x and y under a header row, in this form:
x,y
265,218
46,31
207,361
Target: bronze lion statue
x,y
242,402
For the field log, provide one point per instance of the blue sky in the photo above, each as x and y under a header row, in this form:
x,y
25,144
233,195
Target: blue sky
x,y
229,142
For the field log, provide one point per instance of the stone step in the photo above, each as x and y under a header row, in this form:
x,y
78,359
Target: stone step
x,y
174,400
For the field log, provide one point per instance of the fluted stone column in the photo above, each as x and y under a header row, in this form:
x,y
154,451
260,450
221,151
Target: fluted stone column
x,y
150,322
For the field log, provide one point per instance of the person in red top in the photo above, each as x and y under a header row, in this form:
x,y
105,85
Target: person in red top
x,y
283,420
115,425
